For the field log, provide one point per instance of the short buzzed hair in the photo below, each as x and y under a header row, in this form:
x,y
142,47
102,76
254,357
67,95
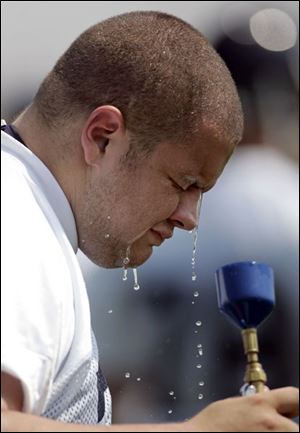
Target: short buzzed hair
x,y
159,71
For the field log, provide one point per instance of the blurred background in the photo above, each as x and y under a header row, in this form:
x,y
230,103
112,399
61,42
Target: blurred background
x,y
161,366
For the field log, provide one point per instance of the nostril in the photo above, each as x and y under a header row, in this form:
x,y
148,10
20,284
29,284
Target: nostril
x,y
178,224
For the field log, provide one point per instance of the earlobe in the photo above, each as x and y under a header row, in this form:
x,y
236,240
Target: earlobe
x,y
91,149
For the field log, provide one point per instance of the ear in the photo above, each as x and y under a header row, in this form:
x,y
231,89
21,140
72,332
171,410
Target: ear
x,y
103,125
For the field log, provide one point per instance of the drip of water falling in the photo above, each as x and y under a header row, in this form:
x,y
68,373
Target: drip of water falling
x,y
124,278
196,294
198,323
200,396
171,393
127,375
127,258
201,383
195,238
110,311
170,411
136,284
198,366
126,261
195,235
138,379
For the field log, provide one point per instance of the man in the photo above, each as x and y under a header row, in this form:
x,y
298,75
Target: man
x,y
134,123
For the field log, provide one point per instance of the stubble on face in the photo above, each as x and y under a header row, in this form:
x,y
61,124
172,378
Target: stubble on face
x,y
112,217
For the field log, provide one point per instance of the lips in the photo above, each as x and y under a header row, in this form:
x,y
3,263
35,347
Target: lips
x,y
161,235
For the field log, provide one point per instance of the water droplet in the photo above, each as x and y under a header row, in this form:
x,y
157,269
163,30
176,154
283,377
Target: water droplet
x,y
200,352
200,396
196,294
170,411
196,332
127,375
110,311
124,278
198,323
198,366
201,383
171,393
193,302
90,223
138,379
199,346
126,259
107,235
83,241
109,217
136,284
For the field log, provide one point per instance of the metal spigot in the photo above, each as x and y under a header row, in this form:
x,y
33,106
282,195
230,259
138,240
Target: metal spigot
x,y
254,374
246,295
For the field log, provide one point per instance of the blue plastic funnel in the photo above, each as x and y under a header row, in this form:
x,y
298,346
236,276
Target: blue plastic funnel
x,y
245,292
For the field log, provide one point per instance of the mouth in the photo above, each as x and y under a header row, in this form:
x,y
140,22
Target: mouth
x,y
159,237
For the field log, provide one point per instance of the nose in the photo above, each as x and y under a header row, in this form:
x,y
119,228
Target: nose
x,y
186,214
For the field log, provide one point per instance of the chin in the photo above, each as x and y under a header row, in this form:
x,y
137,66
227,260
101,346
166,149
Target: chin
x,y
107,261
139,258
113,263
139,254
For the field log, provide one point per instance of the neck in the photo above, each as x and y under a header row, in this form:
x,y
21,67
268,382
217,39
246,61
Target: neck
x,y
50,148
31,131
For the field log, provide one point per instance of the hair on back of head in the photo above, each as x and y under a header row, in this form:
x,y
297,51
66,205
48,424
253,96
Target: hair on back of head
x,y
158,70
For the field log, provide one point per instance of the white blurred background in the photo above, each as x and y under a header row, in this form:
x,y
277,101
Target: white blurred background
x,y
251,214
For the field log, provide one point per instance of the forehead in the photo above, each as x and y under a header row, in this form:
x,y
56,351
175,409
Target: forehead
x,y
200,161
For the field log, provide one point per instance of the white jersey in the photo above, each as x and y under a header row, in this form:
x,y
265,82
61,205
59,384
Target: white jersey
x,y
46,336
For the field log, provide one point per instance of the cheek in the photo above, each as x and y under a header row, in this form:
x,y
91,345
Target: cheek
x,y
149,202
165,205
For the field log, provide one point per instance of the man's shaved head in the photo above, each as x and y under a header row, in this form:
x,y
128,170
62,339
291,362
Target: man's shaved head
x,y
160,72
